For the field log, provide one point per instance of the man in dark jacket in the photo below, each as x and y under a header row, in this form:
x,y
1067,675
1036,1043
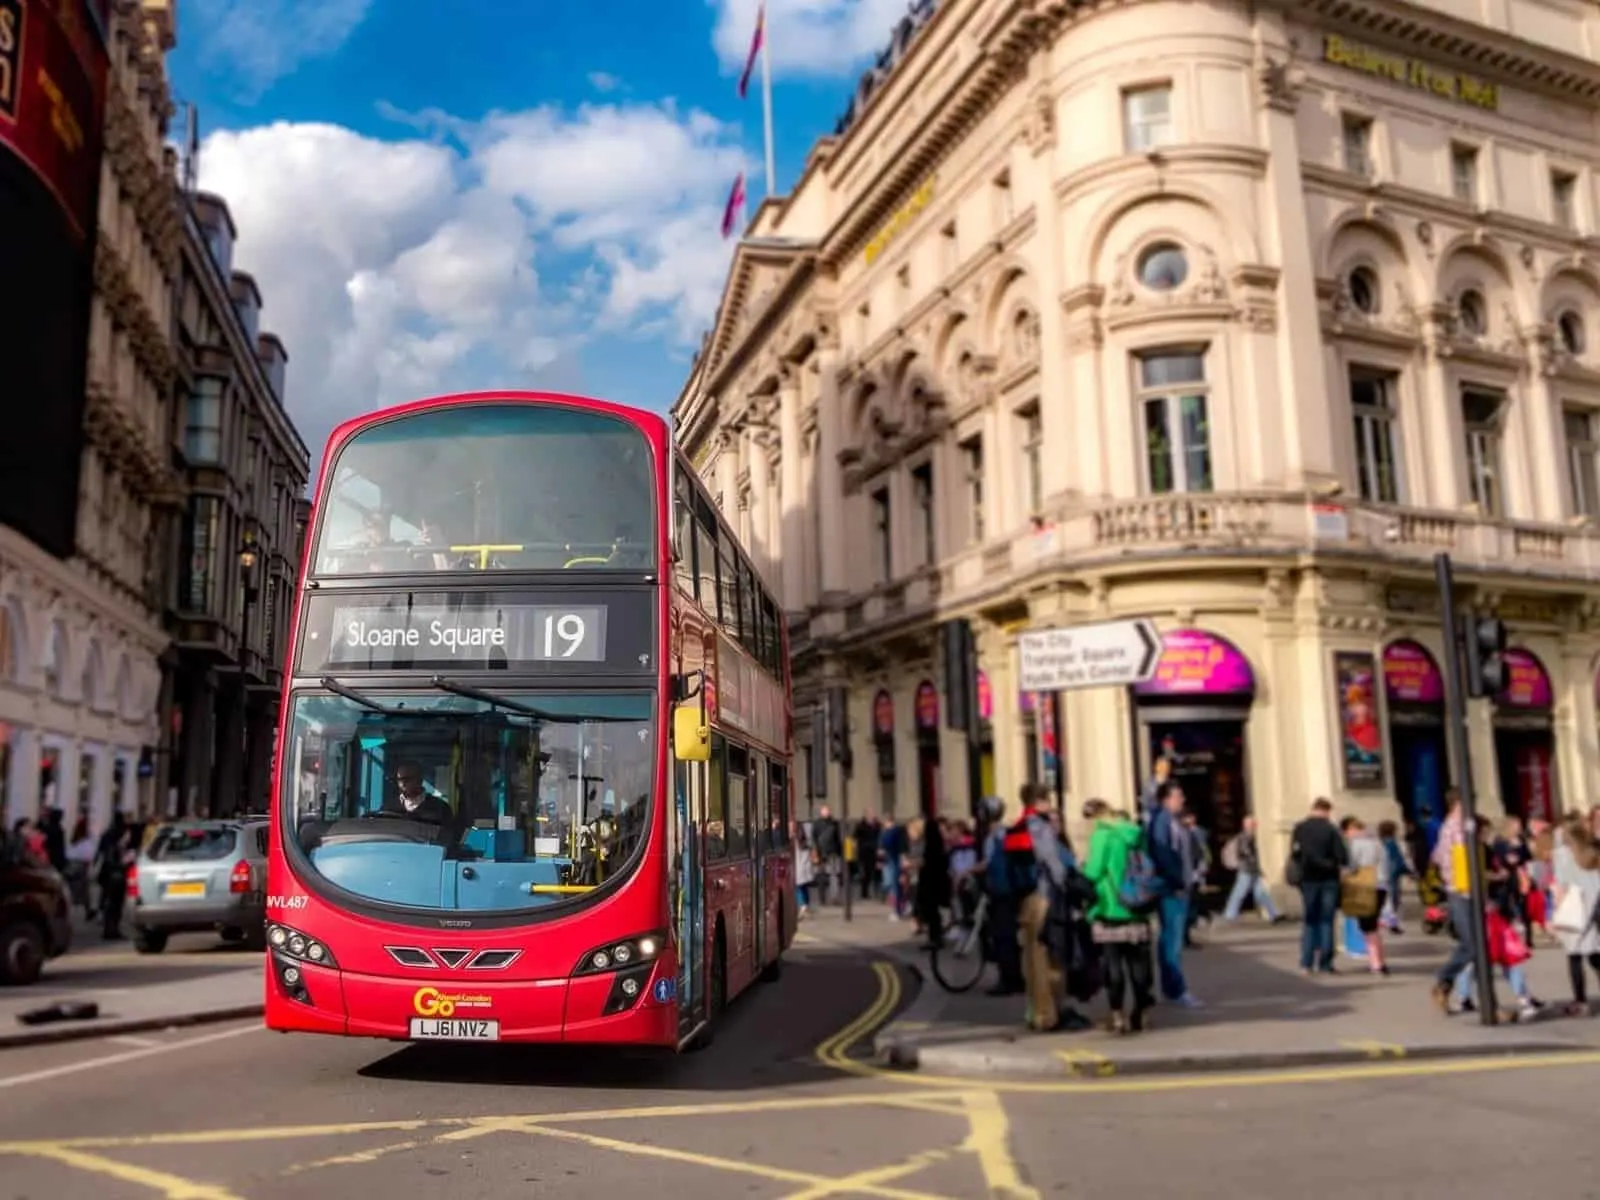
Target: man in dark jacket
x,y
1317,859
1173,858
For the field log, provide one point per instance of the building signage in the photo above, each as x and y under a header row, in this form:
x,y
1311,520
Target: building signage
x,y
1107,654
588,631
897,224
1410,676
883,715
1411,72
927,706
1196,663
1527,683
52,93
985,697
1356,701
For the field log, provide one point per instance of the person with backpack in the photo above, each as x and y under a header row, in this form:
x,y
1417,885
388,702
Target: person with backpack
x,y
1035,872
1172,859
1124,896
1001,930
1242,855
1318,857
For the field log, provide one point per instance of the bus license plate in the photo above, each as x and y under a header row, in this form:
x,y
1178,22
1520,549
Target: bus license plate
x,y
455,1029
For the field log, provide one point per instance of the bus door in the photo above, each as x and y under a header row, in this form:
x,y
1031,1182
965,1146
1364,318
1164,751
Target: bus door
x,y
688,892
759,840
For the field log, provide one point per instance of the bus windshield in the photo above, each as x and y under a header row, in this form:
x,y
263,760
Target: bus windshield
x,y
476,487
437,800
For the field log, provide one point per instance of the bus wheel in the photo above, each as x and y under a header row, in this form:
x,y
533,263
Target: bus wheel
x,y
773,971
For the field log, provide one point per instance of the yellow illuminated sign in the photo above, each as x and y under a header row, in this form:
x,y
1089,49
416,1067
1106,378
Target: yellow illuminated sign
x,y
1411,72
431,1002
901,221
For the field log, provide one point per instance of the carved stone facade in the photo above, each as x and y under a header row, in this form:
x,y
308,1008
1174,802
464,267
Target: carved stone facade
x,y
1261,330
80,641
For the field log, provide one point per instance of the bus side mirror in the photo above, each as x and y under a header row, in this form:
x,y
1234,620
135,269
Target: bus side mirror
x,y
691,734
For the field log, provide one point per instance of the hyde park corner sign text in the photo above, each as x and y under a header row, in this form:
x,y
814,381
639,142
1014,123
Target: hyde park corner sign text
x,y
1108,654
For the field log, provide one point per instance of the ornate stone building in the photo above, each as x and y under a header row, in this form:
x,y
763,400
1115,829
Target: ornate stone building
x,y
80,639
1227,315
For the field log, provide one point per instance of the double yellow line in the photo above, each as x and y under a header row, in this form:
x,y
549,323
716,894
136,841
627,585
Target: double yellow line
x,y
835,1051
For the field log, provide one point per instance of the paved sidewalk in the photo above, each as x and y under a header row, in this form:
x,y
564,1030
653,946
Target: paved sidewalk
x,y
1259,1012
134,993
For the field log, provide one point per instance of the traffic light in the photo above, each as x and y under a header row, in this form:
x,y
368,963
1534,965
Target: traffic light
x,y
839,728
960,677
817,757
1486,661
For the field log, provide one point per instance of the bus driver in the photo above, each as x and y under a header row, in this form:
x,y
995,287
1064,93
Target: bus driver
x,y
414,800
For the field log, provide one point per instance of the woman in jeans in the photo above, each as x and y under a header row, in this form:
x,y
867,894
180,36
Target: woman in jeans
x,y
1576,862
1123,936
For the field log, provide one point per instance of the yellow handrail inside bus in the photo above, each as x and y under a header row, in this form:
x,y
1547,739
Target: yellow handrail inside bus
x,y
560,889
586,560
483,552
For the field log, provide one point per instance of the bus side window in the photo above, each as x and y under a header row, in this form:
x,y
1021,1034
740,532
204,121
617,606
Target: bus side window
x,y
728,586
705,540
778,800
738,797
716,814
684,532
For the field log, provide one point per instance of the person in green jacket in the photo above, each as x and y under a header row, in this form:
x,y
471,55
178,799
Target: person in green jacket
x,y
1123,936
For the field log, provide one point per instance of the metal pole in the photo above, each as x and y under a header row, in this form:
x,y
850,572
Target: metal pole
x,y
1456,705
242,798
844,829
766,107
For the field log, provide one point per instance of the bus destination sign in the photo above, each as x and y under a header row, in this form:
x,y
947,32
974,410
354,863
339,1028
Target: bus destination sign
x,y
421,632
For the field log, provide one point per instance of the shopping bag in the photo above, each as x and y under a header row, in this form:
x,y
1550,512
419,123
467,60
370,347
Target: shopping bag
x,y
1358,893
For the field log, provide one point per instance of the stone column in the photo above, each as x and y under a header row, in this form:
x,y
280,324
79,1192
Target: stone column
x,y
102,802
790,552
830,475
1539,420
23,787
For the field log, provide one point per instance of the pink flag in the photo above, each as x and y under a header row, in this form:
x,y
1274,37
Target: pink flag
x,y
734,212
756,40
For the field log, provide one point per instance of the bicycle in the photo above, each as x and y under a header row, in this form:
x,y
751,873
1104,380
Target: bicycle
x,y
958,961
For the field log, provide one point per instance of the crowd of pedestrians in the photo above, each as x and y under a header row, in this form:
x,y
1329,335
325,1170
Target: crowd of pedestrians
x,y
93,865
1061,928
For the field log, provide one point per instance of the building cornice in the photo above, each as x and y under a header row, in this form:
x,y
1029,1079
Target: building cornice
x,y
1497,54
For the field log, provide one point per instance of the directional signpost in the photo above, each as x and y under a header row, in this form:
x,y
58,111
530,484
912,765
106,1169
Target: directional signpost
x,y
1107,654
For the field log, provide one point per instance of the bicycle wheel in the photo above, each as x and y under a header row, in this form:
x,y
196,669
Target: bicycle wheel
x,y
957,964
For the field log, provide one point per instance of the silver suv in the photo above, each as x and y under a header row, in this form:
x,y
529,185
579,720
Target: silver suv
x,y
199,875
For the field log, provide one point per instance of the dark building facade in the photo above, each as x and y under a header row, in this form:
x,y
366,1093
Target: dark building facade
x,y
234,555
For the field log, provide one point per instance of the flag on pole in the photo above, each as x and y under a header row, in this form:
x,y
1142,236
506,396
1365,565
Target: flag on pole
x,y
731,215
757,40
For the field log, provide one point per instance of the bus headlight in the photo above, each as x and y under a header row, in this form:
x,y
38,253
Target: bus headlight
x,y
620,955
294,945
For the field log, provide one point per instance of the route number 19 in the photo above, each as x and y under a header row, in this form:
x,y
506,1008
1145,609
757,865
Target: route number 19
x,y
567,628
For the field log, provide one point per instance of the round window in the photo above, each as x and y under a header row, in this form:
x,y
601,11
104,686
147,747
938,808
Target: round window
x,y
1363,284
1569,325
1163,267
1474,313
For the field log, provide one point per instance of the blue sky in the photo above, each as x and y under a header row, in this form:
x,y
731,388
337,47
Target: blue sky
x,y
523,194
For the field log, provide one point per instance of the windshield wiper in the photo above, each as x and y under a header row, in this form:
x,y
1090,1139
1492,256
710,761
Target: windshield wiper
x,y
361,698
509,705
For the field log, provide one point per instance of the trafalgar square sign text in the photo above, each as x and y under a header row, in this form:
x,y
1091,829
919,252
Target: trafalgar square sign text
x,y
1106,654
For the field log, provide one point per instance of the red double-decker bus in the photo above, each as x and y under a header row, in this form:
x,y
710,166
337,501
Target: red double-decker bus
x,y
533,771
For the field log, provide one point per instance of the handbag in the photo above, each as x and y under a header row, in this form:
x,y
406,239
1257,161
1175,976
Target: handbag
x,y
1358,893
1572,914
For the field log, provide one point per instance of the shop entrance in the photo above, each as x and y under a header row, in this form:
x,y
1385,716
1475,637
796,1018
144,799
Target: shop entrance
x,y
1414,688
1195,711
1524,739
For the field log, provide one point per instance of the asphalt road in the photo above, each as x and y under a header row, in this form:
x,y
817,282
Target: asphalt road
x,y
775,1108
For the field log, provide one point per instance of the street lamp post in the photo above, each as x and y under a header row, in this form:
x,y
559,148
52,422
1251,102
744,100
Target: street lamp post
x,y
247,563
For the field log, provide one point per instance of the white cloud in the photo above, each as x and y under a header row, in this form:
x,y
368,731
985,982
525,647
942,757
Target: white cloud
x,y
261,41
602,81
807,37
487,255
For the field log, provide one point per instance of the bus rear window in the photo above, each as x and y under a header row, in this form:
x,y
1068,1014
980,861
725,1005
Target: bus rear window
x,y
194,844
482,487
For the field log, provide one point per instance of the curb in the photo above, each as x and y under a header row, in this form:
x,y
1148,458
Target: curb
x,y
46,1035
955,1060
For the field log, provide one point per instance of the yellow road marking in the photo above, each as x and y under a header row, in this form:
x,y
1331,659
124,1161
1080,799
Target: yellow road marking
x,y
1376,1049
736,1166
357,1157
173,1187
990,1140
1087,1062
864,1180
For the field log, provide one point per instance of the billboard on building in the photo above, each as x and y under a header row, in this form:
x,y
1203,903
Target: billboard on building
x,y
52,101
